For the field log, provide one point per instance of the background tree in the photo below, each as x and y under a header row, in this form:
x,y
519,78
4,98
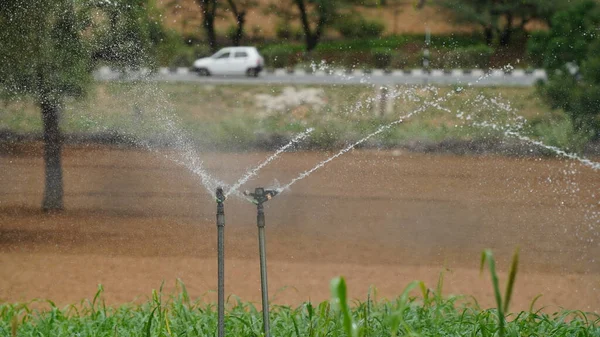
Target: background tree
x,y
239,9
570,51
49,50
315,15
209,14
499,19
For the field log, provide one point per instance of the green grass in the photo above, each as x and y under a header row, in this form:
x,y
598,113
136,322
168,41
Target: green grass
x,y
227,116
429,314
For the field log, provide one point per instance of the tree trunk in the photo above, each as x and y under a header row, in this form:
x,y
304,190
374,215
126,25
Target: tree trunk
x,y
488,33
53,193
312,39
506,35
211,35
209,8
239,33
311,42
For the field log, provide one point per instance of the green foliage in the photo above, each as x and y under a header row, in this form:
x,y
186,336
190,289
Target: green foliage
x,y
570,52
284,31
354,25
382,57
280,56
500,18
502,307
178,315
477,56
126,34
558,130
43,50
50,47
173,52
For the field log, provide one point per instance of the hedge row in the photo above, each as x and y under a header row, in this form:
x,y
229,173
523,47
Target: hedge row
x,y
404,51
381,57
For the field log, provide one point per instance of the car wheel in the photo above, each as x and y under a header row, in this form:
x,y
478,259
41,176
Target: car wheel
x,y
252,72
203,72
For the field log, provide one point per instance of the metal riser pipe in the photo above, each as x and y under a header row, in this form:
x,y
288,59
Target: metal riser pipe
x,y
264,287
221,262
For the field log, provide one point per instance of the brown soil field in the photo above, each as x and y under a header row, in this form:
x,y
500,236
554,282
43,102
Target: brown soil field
x,y
384,218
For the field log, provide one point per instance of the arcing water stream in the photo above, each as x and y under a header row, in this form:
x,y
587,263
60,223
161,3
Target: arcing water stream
x,y
254,171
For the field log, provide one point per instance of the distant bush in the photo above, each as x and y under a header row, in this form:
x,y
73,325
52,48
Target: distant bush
x,y
353,25
286,32
570,53
283,30
404,60
280,56
231,32
257,34
371,28
468,57
382,57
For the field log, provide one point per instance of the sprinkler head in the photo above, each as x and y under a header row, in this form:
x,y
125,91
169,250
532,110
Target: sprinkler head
x,y
220,195
261,195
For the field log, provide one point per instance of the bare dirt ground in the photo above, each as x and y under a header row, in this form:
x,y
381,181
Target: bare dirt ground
x,y
133,219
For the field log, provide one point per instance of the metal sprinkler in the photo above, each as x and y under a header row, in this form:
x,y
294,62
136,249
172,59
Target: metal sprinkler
x,y
261,196
220,196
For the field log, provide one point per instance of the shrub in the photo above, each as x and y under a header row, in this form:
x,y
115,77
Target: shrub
x,y
353,25
283,30
231,32
382,57
257,35
570,52
371,28
468,57
403,60
279,56
184,56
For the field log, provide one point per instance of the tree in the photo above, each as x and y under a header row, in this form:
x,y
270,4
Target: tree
x,y
323,11
501,18
49,50
209,14
570,52
239,9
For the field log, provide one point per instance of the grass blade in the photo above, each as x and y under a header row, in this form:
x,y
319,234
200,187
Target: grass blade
x,y
511,279
488,257
148,324
340,301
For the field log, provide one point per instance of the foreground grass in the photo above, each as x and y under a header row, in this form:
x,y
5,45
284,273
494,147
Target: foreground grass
x,y
230,116
178,315
429,315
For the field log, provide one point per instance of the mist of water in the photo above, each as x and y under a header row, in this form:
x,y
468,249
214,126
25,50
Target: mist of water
x,y
254,171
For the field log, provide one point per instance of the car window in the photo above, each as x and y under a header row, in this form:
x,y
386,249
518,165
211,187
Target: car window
x,y
239,54
224,55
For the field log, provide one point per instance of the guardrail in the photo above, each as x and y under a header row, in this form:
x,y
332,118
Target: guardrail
x,y
106,72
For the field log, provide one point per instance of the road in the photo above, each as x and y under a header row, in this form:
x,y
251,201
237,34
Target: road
x,y
475,77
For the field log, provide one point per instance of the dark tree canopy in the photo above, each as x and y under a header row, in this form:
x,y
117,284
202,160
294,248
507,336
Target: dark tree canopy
x,y
49,50
239,9
315,15
570,51
499,19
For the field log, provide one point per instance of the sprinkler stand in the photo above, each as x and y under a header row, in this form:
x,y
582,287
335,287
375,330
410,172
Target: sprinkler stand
x,y
261,196
220,196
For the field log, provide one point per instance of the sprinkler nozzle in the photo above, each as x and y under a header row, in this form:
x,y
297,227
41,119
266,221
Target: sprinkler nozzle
x,y
261,195
220,195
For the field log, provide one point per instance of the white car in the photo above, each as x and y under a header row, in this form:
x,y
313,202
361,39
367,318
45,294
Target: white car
x,y
231,61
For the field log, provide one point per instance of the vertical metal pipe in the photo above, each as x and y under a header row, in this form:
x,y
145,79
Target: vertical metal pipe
x,y
221,262
260,221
